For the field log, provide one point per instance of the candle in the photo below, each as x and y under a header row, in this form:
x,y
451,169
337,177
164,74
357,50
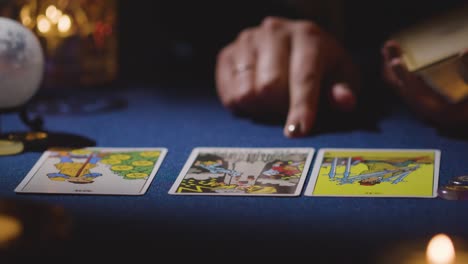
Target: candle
x,y
439,250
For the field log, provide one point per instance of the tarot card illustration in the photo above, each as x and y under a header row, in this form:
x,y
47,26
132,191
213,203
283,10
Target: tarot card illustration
x,y
126,171
375,172
244,171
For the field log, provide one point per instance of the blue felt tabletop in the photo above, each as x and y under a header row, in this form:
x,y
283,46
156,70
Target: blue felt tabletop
x,y
215,227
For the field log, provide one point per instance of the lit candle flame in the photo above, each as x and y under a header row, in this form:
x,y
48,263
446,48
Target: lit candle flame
x,y
64,24
43,25
25,15
26,21
440,250
53,14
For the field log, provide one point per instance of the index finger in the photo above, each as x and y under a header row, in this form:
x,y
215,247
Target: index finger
x,y
304,80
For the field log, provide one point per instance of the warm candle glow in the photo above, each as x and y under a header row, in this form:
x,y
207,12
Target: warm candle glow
x,y
26,21
79,32
53,13
25,16
25,12
43,25
10,229
440,250
64,24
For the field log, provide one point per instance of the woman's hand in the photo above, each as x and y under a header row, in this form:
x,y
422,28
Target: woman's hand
x,y
279,68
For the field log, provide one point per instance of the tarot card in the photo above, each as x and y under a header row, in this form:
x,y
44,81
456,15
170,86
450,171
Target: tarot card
x,y
244,171
375,173
119,171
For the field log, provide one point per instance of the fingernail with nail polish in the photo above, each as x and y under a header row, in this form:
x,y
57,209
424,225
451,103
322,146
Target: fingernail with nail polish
x,y
293,129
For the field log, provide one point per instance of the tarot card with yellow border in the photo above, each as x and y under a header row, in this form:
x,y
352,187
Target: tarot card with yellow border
x,y
375,173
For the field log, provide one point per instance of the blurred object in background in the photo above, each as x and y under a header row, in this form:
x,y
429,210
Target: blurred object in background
x,y
33,229
21,64
79,38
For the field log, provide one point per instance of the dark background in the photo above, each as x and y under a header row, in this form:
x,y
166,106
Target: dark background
x,y
177,41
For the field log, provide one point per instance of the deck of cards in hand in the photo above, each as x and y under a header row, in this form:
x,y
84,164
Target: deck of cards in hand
x,y
437,50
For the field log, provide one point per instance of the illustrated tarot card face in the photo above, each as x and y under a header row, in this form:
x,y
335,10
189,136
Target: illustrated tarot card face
x,y
244,171
119,171
375,173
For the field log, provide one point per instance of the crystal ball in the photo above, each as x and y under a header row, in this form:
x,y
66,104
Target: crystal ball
x,y
21,64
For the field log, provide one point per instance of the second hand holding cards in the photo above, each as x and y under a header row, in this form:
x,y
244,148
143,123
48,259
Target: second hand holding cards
x,y
244,172
435,50
124,171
